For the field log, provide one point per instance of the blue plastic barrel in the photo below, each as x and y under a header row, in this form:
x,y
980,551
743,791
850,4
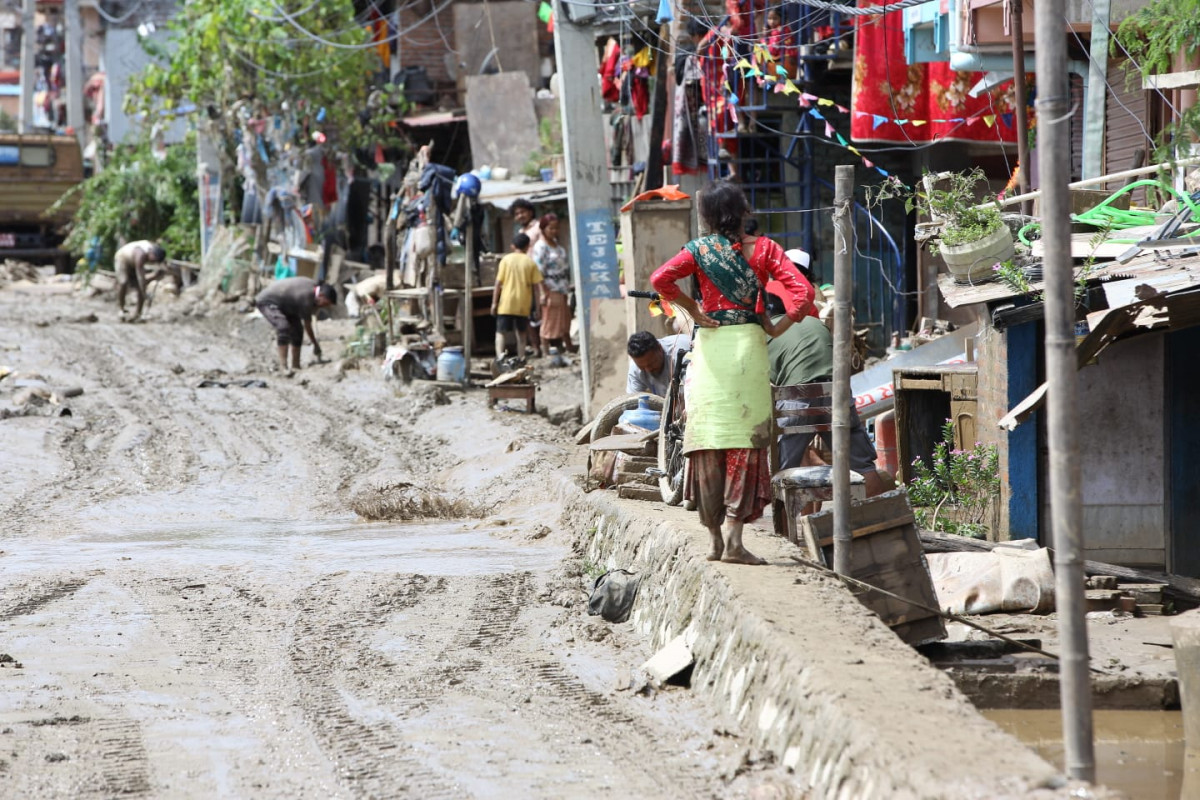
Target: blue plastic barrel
x,y
451,366
642,417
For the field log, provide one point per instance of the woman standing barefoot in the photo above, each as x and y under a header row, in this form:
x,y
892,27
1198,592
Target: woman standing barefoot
x,y
729,393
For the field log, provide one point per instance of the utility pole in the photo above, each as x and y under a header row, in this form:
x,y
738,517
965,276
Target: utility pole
x,y
28,76
1095,98
593,240
1016,15
843,290
1066,510
74,68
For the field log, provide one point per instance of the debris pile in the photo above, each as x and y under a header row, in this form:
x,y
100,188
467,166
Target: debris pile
x,y
12,271
623,447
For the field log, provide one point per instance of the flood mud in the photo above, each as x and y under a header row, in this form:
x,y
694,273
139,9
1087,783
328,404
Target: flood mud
x,y
194,604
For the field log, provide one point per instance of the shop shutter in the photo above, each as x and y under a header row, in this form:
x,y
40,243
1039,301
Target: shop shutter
x,y
1127,120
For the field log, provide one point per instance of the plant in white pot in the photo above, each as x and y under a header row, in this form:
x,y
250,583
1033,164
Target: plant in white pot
x,y
972,237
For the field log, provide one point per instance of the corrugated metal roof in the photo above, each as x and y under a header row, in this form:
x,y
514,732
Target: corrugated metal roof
x,y
1178,270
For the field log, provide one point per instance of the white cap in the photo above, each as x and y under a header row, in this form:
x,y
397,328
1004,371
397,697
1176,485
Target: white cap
x,y
798,257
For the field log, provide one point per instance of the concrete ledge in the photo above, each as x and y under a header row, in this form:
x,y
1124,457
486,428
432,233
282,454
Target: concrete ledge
x,y
815,678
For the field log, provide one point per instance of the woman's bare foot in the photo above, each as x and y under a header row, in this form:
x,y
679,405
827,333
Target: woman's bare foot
x,y
718,544
735,552
741,555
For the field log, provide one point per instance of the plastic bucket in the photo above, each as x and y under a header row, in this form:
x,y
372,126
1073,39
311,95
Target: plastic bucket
x,y
451,366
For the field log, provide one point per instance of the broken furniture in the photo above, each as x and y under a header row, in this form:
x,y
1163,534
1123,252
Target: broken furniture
x,y
802,409
886,553
925,398
621,460
513,385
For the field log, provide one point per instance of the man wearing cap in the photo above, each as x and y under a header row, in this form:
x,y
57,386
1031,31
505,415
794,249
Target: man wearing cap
x,y
289,305
802,260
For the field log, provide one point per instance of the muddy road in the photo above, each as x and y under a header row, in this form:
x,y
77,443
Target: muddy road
x,y
190,607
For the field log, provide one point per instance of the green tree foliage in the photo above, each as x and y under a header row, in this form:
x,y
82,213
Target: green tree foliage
x,y
141,196
237,59
1163,36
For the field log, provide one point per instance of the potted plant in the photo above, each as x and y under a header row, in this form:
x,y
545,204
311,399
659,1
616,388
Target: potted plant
x,y
972,237
547,161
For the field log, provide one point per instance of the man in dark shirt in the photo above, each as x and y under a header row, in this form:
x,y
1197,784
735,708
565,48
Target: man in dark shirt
x,y
804,354
289,305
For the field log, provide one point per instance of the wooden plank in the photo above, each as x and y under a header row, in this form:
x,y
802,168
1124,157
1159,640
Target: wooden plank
x,y
633,443
515,376
1171,80
867,530
903,382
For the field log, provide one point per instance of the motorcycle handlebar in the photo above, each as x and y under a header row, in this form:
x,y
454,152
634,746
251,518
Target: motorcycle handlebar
x,y
644,295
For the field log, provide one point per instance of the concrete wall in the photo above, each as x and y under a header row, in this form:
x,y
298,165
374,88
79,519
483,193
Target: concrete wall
x,y
1122,450
123,58
652,233
511,28
610,364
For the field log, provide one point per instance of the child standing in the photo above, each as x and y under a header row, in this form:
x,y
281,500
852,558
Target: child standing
x,y
512,296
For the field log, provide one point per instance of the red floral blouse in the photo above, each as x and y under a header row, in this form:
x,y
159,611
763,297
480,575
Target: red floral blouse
x,y
767,261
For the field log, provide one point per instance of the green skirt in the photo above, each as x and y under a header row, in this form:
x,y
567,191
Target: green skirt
x,y
728,390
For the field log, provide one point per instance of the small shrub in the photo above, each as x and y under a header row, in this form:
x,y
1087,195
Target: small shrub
x,y
965,480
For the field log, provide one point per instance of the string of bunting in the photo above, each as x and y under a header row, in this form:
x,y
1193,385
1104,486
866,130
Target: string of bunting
x,y
813,104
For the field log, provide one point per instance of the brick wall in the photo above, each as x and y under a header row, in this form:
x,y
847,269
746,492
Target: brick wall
x,y
426,45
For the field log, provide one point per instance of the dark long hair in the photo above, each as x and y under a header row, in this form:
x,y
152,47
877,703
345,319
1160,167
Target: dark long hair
x,y
723,207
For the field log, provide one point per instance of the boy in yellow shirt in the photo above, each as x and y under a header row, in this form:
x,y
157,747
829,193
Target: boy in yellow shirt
x,y
512,296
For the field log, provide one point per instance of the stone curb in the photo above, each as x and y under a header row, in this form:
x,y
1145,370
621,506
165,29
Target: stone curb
x,y
808,672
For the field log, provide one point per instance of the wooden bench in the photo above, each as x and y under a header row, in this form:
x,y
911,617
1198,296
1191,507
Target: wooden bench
x,y
517,391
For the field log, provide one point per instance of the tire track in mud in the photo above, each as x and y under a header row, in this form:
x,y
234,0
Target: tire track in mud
x,y
43,598
371,757
123,764
490,622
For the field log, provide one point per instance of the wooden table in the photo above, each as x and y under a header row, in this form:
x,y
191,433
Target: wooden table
x,y
513,390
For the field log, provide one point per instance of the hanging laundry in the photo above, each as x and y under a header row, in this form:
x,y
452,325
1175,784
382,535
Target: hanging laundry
x,y
610,90
688,149
886,87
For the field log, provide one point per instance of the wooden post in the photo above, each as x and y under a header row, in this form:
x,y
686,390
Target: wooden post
x,y
843,238
467,304
658,114
1066,507
389,255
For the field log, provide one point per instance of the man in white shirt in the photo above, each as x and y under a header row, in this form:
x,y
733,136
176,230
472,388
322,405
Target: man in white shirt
x,y
652,361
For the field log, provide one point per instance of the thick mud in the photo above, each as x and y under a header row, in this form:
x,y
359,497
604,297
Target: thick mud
x,y
191,608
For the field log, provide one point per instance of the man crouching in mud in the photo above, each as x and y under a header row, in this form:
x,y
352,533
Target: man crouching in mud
x,y
130,264
289,305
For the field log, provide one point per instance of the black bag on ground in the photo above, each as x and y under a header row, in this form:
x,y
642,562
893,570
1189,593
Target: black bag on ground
x,y
612,595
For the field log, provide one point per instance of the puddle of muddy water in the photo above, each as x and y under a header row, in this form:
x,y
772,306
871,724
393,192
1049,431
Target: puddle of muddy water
x,y
430,548
1141,753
